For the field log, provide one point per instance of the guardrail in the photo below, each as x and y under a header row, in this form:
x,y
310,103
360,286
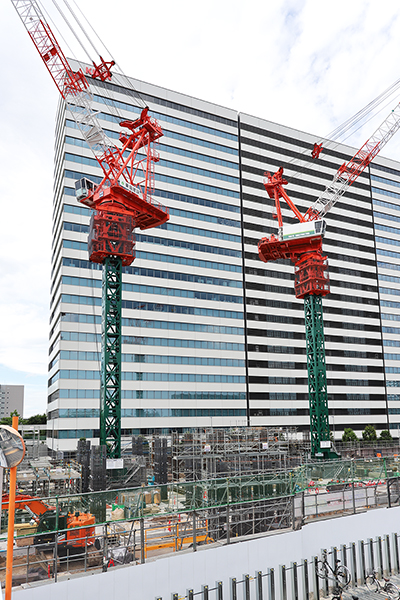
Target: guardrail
x,y
127,540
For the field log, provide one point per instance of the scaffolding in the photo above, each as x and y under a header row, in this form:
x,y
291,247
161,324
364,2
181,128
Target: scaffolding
x,y
203,454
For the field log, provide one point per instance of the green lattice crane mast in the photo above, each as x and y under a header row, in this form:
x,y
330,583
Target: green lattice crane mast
x,y
121,201
301,242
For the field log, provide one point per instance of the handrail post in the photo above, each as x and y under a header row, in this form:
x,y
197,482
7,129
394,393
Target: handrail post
x,y
142,542
306,586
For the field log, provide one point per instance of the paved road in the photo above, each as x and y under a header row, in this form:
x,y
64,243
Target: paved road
x,y
363,593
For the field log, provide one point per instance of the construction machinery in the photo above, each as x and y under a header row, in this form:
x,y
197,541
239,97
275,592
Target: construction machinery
x,y
73,530
121,201
301,243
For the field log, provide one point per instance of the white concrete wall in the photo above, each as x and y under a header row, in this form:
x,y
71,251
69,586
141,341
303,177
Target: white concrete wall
x,y
182,571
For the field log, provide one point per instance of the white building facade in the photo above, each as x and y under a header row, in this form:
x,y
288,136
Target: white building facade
x,y
11,399
211,335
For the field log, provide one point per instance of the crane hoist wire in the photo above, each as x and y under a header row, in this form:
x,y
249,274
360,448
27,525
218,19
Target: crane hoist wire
x,y
118,74
349,127
125,81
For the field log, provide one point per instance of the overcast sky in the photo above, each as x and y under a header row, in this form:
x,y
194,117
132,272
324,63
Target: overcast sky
x,y
308,64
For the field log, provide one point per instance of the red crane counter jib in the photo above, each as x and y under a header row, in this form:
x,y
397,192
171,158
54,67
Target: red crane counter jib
x,y
301,243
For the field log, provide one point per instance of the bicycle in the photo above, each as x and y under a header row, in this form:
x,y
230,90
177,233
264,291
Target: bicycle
x,y
340,574
374,585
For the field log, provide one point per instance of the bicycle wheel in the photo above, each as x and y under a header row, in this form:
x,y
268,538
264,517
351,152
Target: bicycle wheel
x,y
343,576
322,570
371,583
392,590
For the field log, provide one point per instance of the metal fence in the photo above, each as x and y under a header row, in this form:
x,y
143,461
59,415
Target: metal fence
x,y
109,544
300,580
175,498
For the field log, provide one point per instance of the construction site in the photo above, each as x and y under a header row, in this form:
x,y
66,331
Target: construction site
x,y
72,531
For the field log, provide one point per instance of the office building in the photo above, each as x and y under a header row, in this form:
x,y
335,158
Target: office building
x,y
11,399
212,336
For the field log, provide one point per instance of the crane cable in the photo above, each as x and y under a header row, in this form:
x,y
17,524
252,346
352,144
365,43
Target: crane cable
x,y
105,90
71,28
349,127
82,28
111,105
117,69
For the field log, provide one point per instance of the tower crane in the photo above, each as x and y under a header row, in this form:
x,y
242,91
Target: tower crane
x,y
301,243
120,202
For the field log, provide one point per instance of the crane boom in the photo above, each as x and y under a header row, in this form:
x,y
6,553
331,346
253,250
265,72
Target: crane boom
x,y
128,179
73,86
349,171
120,202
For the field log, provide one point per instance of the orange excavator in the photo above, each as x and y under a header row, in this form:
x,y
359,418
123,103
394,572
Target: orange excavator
x,y
72,530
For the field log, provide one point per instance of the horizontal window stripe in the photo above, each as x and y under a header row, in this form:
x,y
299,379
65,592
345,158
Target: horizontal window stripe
x,y
389,253
172,377
150,394
191,262
384,265
389,304
164,118
149,341
394,230
177,243
165,148
168,164
389,291
387,216
395,330
166,179
382,240
196,186
147,289
152,306
73,245
155,359
384,204
148,324
385,180
202,232
94,413
197,201
177,395
161,194
141,272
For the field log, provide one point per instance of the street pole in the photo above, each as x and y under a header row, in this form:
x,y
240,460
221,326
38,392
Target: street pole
x,y
11,517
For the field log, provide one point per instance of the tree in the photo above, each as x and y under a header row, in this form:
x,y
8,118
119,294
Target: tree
x,y
33,420
349,435
385,436
8,420
36,420
369,434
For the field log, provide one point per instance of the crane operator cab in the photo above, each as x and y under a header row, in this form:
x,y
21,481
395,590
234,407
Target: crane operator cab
x,y
83,187
308,229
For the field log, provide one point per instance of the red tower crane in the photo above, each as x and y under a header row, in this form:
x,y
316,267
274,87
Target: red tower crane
x,y
120,202
302,244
